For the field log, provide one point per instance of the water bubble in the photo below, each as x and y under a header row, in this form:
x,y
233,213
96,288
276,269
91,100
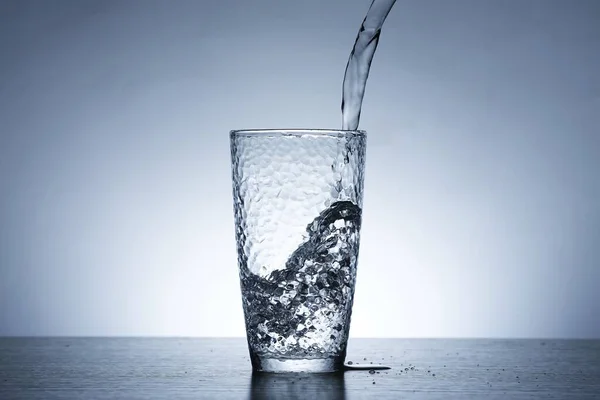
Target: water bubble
x,y
371,371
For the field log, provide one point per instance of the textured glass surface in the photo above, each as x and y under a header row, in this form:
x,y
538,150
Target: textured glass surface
x,y
297,200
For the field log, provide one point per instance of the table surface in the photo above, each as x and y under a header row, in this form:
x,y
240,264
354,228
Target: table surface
x,y
167,368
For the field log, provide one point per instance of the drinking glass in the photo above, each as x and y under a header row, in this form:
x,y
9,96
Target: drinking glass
x,y
297,197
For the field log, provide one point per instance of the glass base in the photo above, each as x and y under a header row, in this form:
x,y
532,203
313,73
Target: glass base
x,y
319,365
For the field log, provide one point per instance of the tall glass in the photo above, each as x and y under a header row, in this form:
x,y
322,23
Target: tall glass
x,y
298,202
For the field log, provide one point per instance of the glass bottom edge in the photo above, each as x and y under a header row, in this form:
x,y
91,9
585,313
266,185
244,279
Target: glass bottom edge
x,y
277,365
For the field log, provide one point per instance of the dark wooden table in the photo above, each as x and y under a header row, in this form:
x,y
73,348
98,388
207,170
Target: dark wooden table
x,y
173,368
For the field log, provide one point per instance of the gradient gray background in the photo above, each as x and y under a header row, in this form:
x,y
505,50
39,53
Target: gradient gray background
x,y
482,204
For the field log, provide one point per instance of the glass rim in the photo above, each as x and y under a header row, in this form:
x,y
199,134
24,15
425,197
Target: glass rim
x,y
296,132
